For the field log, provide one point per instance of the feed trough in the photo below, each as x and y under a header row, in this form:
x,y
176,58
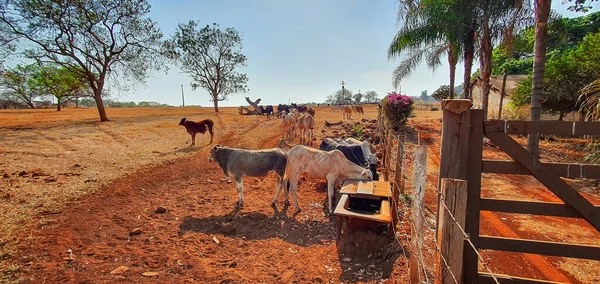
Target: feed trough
x,y
367,200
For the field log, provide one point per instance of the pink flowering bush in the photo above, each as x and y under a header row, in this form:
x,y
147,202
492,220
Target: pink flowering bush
x,y
396,109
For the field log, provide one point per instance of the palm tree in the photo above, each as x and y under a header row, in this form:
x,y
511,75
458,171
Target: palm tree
x,y
430,30
495,19
542,13
590,101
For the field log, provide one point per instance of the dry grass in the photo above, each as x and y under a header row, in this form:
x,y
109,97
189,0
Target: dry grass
x,y
68,154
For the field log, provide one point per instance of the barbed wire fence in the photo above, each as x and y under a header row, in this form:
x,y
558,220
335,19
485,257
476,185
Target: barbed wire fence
x,y
425,252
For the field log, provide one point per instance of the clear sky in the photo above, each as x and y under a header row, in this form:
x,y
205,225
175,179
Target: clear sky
x,y
297,50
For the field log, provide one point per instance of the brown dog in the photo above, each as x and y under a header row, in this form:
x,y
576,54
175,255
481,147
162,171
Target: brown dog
x,y
198,127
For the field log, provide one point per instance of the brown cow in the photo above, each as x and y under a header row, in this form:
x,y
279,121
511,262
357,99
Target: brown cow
x,y
347,112
198,127
311,111
359,109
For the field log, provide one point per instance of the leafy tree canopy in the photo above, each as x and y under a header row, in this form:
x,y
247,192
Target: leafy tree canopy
x,y
212,57
566,74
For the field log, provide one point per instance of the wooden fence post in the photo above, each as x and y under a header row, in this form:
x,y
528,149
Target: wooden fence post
x,y
399,177
455,140
449,237
389,145
420,175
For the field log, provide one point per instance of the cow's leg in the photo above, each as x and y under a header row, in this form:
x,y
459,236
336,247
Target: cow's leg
x,y
193,138
240,187
279,186
330,188
293,189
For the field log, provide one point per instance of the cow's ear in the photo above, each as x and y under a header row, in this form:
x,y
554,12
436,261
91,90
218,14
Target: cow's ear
x,y
216,148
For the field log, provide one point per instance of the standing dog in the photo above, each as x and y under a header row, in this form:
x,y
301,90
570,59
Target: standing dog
x,y
198,127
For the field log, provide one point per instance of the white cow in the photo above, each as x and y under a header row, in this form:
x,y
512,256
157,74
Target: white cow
x,y
289,124
316,164
306,125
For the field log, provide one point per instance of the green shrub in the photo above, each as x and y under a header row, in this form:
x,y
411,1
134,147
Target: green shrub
x,y
397,109
357,132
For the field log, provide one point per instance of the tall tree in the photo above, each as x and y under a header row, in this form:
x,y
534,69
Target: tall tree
x,y
496,19
431,30
59,82
424,96
542,13
96,39
371,97
357,98
212,58
340,97
17,83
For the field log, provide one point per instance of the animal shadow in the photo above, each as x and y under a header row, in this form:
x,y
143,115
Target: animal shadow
x,y
366,253
188,149
257,226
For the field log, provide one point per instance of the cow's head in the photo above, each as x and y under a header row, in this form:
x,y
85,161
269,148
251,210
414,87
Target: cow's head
x,y
366,174
213,152
182,122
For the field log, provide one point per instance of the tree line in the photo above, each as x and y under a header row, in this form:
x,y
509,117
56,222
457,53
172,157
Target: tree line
x,y
80,48
347,97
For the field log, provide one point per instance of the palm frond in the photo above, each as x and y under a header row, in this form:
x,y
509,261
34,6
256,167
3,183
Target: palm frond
x,y
589,97
434,57
408,64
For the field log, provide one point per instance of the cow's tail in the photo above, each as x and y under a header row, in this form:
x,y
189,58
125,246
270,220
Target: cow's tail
x,y
210,124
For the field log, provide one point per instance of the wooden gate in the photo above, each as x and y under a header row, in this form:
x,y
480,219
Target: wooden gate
x,y
463,131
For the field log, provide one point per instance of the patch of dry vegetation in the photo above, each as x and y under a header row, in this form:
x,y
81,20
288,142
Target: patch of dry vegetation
x,y
50,158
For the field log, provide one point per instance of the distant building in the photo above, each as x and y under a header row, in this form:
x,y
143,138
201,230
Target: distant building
x,y
512,82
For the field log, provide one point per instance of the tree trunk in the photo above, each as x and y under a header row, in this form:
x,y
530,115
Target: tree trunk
x,y
254,105
502,94
469,43
561,115
452,62
100,105
76,102
216,103
542,12
485,64
58,104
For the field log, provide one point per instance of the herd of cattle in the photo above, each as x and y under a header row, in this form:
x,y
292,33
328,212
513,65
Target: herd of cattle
x,y
336,160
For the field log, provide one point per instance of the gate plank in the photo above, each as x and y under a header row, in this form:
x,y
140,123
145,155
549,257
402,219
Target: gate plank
x,y
547,176
474,165
530,207
563,169
540,247
558,128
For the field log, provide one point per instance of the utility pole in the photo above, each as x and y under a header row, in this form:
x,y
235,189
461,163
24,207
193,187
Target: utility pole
x,y
343,91
182,97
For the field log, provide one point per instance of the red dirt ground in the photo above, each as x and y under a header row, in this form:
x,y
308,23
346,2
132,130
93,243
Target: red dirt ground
x,y
258,244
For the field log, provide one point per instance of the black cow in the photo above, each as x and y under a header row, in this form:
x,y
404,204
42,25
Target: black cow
x,y
353,153
302,109
268,110
281,108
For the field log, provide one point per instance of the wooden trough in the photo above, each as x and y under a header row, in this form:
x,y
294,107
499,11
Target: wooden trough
x,y
367,200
